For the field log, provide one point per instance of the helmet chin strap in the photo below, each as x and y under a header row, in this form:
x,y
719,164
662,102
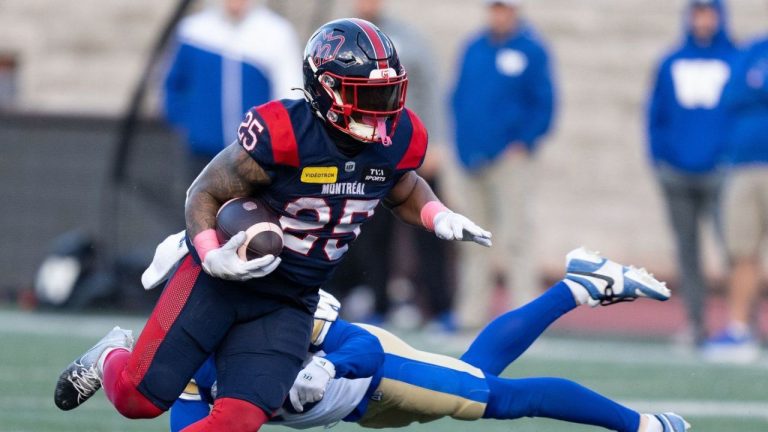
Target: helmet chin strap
x,y
371,125
381,130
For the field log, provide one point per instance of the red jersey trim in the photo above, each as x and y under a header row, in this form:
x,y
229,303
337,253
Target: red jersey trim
x,y
278,122
417,148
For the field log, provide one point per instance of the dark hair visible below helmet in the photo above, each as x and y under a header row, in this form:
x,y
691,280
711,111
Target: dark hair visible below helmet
x,y
354,79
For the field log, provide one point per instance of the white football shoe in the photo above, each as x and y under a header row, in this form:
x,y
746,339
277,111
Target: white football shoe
x,y
608,282
82,378
672,422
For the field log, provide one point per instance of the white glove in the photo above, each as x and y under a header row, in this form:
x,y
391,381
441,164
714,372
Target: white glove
x,y
311,382
453,226
224,263
167,255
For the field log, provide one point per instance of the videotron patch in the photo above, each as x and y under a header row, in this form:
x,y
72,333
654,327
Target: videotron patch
x,y
376,175
320,175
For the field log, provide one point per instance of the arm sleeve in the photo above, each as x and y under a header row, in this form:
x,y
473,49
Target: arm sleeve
x,y
187,410
354,352
540,98
176,87
658,120
748,85
205,377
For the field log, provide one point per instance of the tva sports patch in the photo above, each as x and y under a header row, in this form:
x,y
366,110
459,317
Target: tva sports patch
x,y
320,175
376,175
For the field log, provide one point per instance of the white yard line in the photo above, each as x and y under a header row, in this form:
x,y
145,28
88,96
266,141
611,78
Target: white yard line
x,y
624,353
703,408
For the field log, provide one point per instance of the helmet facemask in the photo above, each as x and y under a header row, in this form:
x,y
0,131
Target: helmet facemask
x,y
364,107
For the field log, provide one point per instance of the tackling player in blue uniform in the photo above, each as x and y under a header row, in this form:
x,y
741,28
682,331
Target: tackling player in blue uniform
x,y
364,374
323,164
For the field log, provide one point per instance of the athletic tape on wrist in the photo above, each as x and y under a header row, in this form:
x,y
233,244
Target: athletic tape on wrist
x,y
205,242
428,213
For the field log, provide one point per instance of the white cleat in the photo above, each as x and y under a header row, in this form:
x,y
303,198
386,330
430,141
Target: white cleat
x,y
672,422
82,378
608,282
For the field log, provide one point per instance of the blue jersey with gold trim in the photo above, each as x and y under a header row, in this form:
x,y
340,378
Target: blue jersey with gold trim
x,y
321,195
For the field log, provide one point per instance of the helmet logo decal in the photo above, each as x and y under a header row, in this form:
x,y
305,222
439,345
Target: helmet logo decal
x,y
327,49
383,73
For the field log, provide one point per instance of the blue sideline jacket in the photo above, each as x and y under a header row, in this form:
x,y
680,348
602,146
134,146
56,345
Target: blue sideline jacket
x,y
686,119
220,69
504,94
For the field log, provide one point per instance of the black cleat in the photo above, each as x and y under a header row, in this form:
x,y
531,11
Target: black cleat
x,y
82,378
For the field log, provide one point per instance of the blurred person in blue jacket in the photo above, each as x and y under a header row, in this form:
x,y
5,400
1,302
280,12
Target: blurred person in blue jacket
x,y
229,57
502,106
687,131
745,202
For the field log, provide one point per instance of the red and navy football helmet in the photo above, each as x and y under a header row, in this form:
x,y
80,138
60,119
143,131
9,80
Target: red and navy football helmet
x,y
354,79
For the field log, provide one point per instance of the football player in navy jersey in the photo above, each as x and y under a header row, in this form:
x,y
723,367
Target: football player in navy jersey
x,y
323,164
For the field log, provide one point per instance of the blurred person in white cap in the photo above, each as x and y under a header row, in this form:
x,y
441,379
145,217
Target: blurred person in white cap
x,y
503,105
231,56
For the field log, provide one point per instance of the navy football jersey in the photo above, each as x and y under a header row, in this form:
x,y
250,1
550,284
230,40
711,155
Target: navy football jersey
x,y
322,195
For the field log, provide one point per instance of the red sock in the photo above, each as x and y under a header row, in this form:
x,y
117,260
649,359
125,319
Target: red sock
x,y
124,396
230,415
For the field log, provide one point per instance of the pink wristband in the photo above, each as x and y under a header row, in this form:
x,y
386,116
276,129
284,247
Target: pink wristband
x,y
428,213
205,242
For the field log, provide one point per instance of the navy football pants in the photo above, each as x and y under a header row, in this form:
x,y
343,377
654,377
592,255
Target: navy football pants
x,y
260,343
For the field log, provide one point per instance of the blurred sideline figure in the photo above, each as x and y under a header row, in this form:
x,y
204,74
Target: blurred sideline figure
x,y
400,250
502,106
687,131
745,203
228,58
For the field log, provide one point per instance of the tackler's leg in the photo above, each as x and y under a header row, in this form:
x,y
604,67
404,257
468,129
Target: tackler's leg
x,y
504,339
561,399
590,279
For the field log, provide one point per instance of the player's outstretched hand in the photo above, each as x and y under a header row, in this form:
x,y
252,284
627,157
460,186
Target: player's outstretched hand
x,y
311,382
224,263
167,255
453,226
